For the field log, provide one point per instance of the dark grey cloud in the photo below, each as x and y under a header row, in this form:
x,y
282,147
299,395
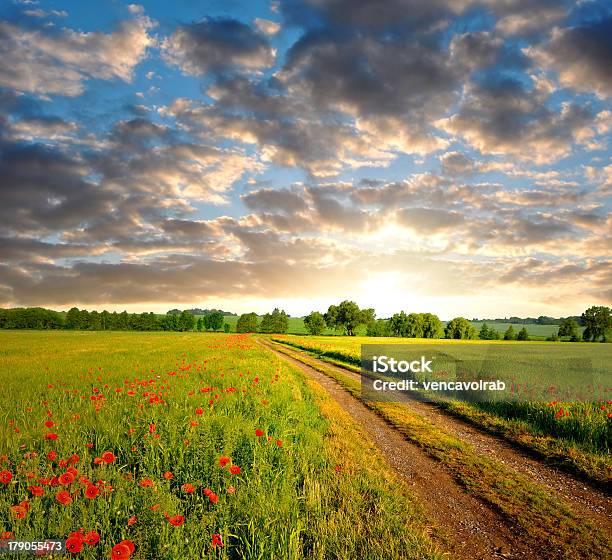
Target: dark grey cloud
x,y
217,45
581,56
270,200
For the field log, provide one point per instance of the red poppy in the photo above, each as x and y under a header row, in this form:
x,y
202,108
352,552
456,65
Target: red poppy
x,y
63,497
177,520
91,538
152,428
155,507
199,411
259,432
213,498
6,476
231,490
217,540
74,545
146,482
207,491
168,475
188,488
52,455
51,436
91,491
19,511
132,520
66,478
36,490
279,442
122,550
108,457
235,469
49,423
223,460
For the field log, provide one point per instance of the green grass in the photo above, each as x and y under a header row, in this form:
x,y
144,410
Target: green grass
x,y
139,395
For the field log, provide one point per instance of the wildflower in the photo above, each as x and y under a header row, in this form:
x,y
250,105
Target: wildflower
x,y
235,469
259,432
66,478
63,497
231,490
108,457
19,511
188,488
36,490
91,492
223,460
199,411
123,550
168,475
279,442
132,520
74,545
51,436
52,455
91,538
146,482
6,476
217,540
213,498
177,520
49,423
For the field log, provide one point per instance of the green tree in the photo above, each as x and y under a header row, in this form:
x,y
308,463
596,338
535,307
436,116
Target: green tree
x,y
275,322
186,321
569,328
347,317
227,327
213,321
200,324
509,334
379,327
523,335
432,326
314,323
247,322
598,322
484,333
459,328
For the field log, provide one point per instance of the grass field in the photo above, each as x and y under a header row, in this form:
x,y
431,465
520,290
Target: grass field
x,y
296,326
183,445
578,433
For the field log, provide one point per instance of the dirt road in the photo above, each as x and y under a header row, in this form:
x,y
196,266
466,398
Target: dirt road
x,y
468,528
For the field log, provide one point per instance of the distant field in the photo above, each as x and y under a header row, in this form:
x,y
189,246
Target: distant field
x,y
296,326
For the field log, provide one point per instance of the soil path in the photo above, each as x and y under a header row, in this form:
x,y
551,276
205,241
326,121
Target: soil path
x,y
469,528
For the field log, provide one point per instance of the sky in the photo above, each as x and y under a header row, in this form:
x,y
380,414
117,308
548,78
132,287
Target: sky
x,y
445,156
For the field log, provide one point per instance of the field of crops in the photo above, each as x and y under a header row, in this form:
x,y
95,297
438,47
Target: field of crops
x,y
186,445
576,426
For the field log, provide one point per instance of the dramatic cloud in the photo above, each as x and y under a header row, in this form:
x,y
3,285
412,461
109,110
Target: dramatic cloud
x,y
214,45
581,56
47,61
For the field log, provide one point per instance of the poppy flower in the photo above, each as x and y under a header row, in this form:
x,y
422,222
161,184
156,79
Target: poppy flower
x,y
188,488
168,475
51,436
122,550
155,507
36,490
146,482
49,423
52,455
231,490
63,497
66,478
132,520
177,520
108,457
91,492
223,460
6,476
235,469
279,442
74,545
199,411
213,498
19,511
259,432
207,491
217,540
152,428
92,538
